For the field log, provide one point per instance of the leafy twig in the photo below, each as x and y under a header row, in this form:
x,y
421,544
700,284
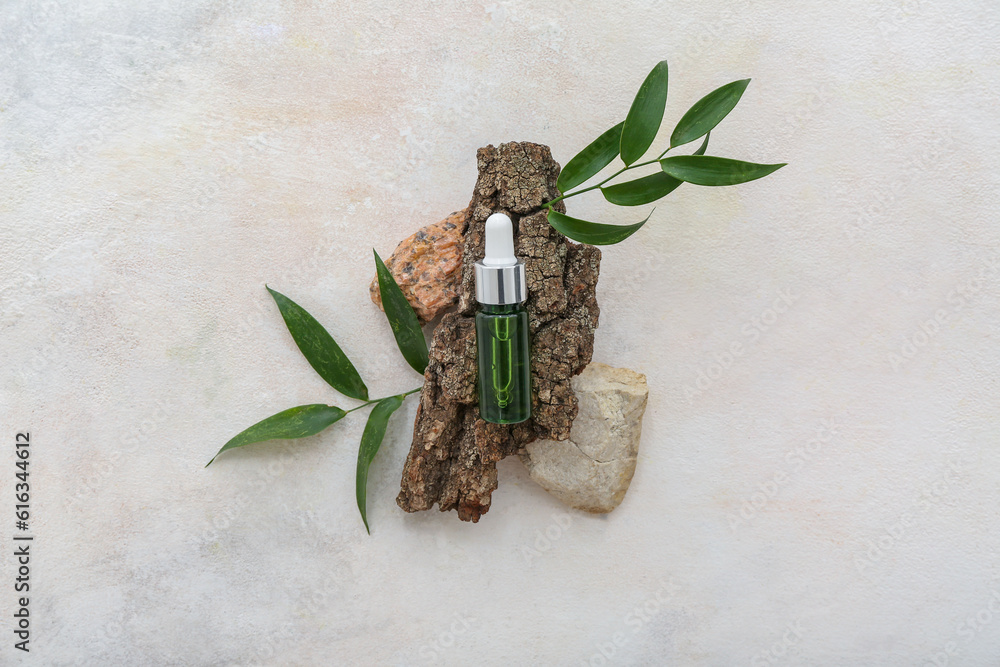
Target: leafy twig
x,y
325,356
631,139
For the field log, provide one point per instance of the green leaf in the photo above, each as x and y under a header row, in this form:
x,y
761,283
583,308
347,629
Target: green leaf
x,y
591,159
320,349
641,190
292,423
710,170
594,233
704,145
399,312
707,112
371,440
646,189
644,116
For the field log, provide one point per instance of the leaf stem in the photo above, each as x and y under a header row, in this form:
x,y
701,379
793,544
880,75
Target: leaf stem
x,y
621,171
376,400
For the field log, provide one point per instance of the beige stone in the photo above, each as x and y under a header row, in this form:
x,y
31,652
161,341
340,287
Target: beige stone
x,y
592,470
427,265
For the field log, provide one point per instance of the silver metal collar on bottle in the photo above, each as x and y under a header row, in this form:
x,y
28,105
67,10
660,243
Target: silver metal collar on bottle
x,y
501,285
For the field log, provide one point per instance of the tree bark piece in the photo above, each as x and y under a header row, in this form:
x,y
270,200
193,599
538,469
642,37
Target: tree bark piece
x,y
452,460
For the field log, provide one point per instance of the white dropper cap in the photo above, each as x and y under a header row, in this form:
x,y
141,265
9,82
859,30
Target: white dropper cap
x,y
499,241
500,276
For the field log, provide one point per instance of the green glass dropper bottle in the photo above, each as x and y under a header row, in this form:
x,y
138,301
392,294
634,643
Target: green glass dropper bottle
x,y
502,328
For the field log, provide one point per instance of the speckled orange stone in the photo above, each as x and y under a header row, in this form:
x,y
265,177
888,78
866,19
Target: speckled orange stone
x,y
428,267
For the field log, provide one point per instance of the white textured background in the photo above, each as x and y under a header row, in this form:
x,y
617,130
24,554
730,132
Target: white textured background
x,y
814,500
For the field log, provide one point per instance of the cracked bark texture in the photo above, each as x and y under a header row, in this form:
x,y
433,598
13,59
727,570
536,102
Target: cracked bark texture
x,y
452,460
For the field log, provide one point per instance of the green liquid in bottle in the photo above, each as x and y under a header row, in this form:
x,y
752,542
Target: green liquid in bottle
x,y
504,363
